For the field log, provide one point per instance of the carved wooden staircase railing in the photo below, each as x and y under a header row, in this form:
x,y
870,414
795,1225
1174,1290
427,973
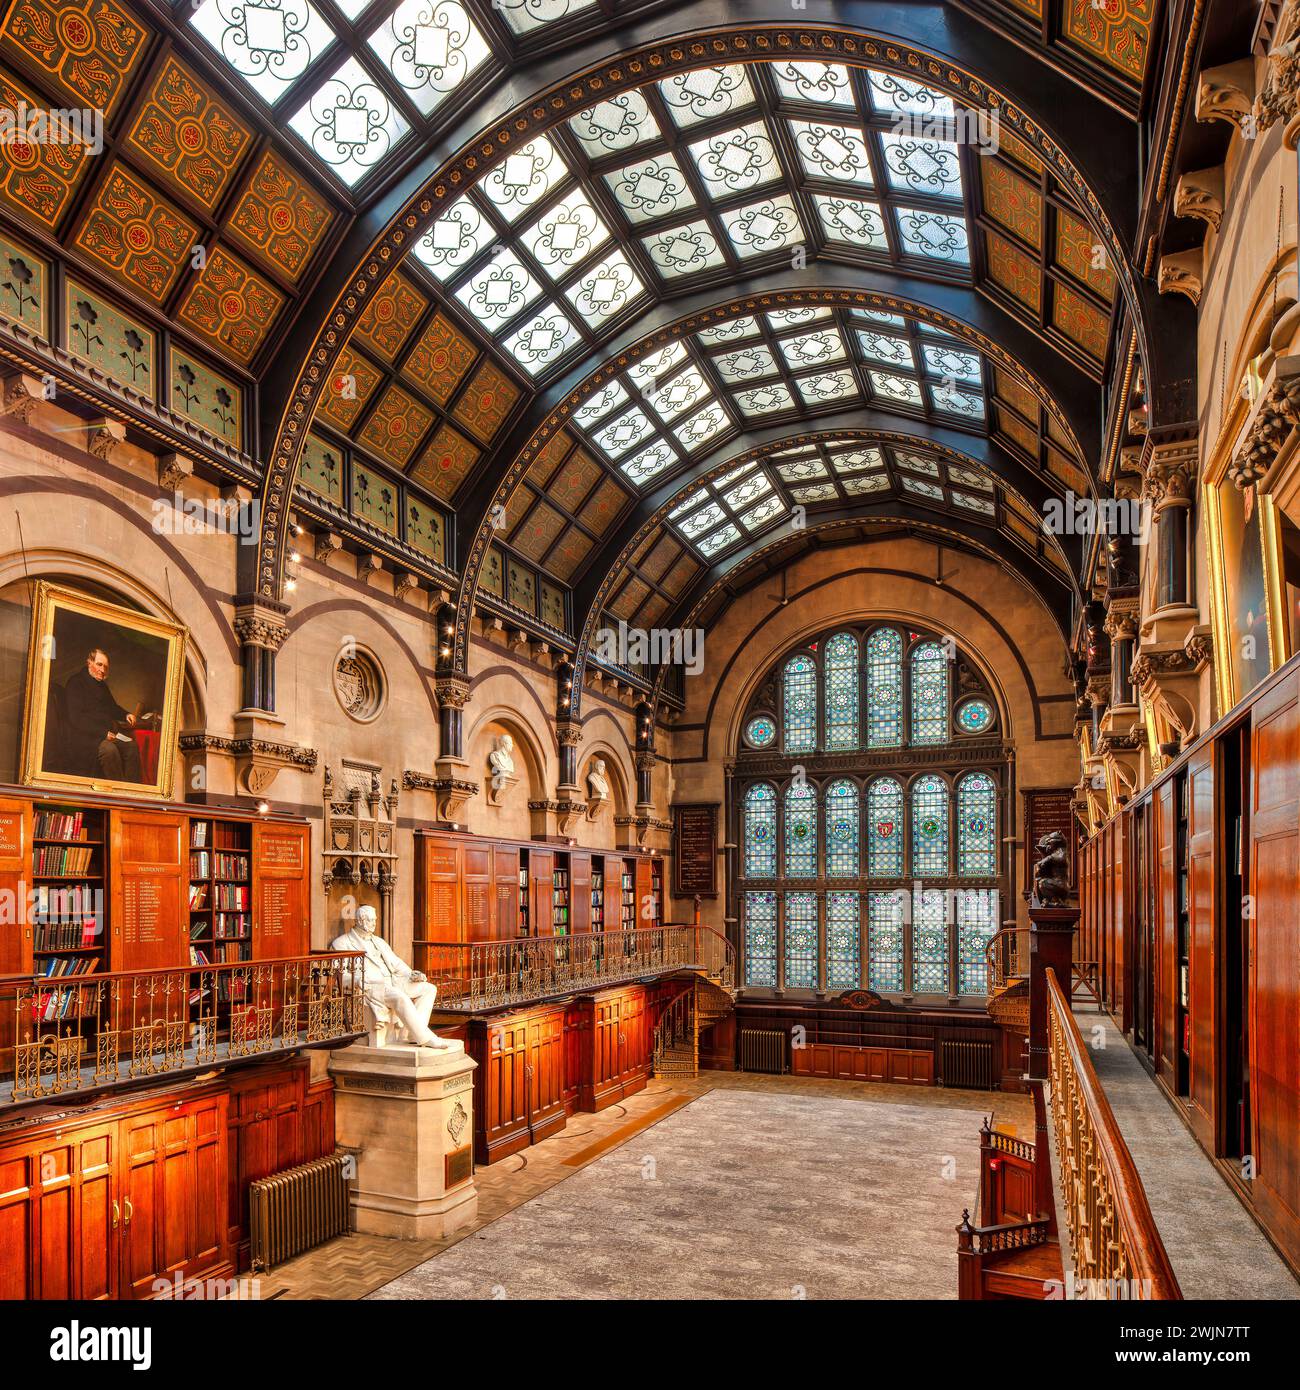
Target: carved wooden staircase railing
x,y
708,996
1007,971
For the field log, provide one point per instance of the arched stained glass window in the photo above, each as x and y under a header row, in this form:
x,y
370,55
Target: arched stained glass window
x,y
801,940
930,827
884,689
801,830
842,940
842,829
885,941
760,940
840,692
800,704
885,829
760,831
977,922
929,941
930,693
977,826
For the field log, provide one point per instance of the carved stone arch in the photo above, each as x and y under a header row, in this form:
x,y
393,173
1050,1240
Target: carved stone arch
x,y
533,768
619,772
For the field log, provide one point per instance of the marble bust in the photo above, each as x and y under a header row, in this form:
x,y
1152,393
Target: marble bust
x,y
501,762
400,999
597,782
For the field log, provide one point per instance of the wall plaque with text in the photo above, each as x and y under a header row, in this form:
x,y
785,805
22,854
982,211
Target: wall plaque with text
x,y
695,850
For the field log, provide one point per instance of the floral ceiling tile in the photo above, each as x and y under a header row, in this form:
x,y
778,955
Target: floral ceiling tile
x,y
231,305
395,429
24,286
439,360
38,179
349,388
390,317
89,47
97,333
1014,271
280,217
1012,201
486,402
444,464
212,401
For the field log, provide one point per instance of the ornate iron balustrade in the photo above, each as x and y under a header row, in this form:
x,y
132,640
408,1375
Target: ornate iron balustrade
x,y
478,975
1114,1238
96,1031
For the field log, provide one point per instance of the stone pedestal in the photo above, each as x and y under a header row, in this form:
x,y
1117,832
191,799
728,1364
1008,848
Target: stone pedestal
x,y
408,1114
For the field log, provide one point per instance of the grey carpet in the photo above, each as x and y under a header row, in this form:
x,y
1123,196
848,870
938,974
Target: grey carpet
x,y
739,1195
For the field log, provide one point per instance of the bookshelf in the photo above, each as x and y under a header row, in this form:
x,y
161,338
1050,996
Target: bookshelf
x,y
525,924
69,882
657,892
220,897
627,919
598,895
560,901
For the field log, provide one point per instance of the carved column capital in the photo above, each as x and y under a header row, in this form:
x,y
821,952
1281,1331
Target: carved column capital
x,y
103,436
368,564
327,543
405,583
1169,475
568,734
452,691
173,469
1276,99
261,624
1122,620
22,394
1275,415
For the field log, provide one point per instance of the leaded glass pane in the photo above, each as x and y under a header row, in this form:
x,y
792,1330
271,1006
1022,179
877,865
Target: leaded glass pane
x,y
929,693
977,923
760,732
760,831
760,939
929,827
885,941
977,823
842,940
975,715
929,941
800,705
801,831
841,692
842,829
801,940
885,829
884,688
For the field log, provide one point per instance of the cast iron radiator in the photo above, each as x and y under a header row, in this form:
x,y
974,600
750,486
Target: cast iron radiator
x,y
968,1064
298,1209
762,1049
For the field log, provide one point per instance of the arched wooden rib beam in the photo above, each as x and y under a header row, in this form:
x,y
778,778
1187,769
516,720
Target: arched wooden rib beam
x,y
1089,148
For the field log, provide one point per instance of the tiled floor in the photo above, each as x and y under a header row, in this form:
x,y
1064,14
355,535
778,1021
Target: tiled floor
x,y
357,1265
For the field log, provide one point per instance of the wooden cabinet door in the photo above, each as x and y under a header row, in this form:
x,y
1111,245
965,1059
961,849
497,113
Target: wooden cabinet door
x,y
505,875
149,896
634,1027
263,1137
1166,965
546,1073
437,889
1201,889
643,895
541,867
15,876
281,897
500,1046
580,891
476,892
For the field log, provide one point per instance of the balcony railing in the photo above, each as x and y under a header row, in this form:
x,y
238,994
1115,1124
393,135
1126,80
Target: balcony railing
x,y
478,975
1114,1238
99,1031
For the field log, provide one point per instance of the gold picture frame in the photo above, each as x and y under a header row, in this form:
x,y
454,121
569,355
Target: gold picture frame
x,y
85,656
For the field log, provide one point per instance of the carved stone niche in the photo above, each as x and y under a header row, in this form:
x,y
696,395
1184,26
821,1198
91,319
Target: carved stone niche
x,y
361,832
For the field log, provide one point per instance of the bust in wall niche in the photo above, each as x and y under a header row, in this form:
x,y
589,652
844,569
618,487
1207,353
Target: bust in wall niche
x,y
501,767
597,787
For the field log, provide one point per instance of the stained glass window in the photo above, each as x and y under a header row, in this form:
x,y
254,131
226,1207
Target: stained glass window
x,y
977,825
801,830
842,933
974,716
842,829
929,693
885,941
801,940
929,827
841,692
929,941
885,829
760,732
884,689
760,831
760,939
977,922
800,704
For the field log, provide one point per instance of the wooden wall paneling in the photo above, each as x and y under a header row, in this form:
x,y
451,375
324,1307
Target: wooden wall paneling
x,y
1119,916
637,1041
541,885
580,891
72,1245
476,891
1275,960
438,914
265,1131
500,1047
281,894
577,1031
148,890
546,1073
505,906
15,870
1166,971
1202,992
643,892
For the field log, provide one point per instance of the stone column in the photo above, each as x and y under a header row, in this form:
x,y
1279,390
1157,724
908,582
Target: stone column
x,y
261,629
1121,628
1168,481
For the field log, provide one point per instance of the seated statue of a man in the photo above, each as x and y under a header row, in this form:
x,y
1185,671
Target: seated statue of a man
x,y
395,993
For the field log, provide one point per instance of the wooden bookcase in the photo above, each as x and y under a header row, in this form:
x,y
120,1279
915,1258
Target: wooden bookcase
x,y
69,879
598,893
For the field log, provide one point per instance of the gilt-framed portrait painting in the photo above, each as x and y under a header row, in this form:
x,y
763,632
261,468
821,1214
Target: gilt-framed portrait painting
x,y
103,697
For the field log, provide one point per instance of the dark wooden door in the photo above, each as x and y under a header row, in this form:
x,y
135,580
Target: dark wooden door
x,y
477,891
1201,986
500,1046
546,1073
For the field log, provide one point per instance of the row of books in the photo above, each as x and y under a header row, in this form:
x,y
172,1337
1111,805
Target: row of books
x,y
51,860
66,936
228,865
74,903
58,825
230,897
230,926
227,953
198,897
59,967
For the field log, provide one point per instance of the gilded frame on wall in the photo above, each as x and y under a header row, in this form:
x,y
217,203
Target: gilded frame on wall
x,y
75,734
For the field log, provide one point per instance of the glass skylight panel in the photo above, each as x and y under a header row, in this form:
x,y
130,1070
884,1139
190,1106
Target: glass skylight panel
x,y
354,9
802,471
523,16
824,83
968,477
954,401
921,487
855,460
943,360
502,289
933,235
736,161
617,124
760,515
688,503
702,521
745,364
918,463
733,474
600,404
349,122
268,45
813,349
900,389
651,188
703,93
620,435
684,250
975,504
653,369
430,47
684,391
892,95
702,426
524,178
875,316
566,234
719,540
872,482
921,166
743,494
818,492
731,332
762,227
605,290
543,339
835,152
881,347
454,239
826,386
853,220
795,318
643,466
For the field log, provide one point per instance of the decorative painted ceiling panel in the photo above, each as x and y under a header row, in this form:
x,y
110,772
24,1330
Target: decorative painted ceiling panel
x,y
37,180
231,305
90,48
279,217
1104,39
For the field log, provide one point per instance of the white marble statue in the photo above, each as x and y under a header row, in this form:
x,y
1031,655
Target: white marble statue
x,y
397,996
502,763
597,782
